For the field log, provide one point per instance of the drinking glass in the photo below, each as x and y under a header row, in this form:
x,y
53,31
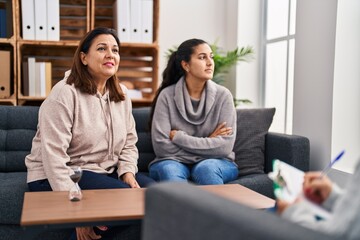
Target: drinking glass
x,y
75,191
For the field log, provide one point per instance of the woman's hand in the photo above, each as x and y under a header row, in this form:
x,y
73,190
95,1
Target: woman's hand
x,y
172,134
316,188
86,233
281,206
129,179
221,130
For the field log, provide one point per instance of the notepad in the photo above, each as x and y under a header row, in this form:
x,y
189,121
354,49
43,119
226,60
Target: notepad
x,y
288,186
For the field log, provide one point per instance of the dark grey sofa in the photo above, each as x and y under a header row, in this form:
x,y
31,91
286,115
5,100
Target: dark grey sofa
x,y
18,126
180,211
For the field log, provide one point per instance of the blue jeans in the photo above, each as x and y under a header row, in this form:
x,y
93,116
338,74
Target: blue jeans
x,y
91,180
206,172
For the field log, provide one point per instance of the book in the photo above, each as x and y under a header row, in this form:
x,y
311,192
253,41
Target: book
x,y
2,23
48,78
31,67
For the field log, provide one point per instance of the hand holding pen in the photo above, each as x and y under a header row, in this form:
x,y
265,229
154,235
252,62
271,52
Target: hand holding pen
x,y
317,186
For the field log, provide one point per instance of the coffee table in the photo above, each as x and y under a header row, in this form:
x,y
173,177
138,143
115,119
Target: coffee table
x,y
44,210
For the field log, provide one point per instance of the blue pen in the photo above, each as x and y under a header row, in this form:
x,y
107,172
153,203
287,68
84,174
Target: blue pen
x,y
328,167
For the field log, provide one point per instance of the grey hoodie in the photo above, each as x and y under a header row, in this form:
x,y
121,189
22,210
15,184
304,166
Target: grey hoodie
x,y
77,128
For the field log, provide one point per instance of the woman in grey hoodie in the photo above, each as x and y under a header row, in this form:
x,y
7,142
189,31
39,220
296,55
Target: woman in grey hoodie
x,y
87,121
193,120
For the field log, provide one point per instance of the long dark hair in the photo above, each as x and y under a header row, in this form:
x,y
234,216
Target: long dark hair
x,y
80,75
174,71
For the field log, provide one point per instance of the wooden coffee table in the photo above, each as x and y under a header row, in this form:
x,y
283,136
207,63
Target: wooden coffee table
x,y
44,210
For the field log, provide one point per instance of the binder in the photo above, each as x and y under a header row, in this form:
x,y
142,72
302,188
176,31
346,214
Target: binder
x,y
135,21
28,19
2,23
121,12
147,21
5,74
9,18
40,20
53,20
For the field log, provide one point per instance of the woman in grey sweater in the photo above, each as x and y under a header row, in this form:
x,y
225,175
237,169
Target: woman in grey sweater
x,y
193,120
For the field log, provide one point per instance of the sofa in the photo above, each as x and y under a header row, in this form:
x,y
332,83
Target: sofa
x,y
180,211
255,148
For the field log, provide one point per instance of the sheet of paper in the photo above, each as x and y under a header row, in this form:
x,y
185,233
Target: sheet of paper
x,y
289,180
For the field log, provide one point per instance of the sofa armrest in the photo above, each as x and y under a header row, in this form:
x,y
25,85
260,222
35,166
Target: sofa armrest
x,y
292,149
180,211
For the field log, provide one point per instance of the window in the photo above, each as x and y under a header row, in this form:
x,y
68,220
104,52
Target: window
x,y
278,61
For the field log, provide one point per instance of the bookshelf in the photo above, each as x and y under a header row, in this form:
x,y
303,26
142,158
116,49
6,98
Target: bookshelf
x,y
138,65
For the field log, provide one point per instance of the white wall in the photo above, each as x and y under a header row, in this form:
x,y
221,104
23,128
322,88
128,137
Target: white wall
x,y
184,19
326,87
346,97
248,76
313,76
216,20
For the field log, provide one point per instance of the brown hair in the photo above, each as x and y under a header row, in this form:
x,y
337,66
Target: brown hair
x,y
174,71
80,76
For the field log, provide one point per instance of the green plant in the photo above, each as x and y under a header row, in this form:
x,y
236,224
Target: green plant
x,y
224,60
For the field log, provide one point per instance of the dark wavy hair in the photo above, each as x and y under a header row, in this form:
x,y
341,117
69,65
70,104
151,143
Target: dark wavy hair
x,y
174,71
81,77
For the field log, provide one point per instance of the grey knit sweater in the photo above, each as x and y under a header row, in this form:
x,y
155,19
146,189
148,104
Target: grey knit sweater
x,y
175,111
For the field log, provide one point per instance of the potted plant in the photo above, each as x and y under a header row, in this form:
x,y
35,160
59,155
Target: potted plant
x,y
224,60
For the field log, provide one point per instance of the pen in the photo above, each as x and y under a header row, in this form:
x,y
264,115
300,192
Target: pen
x,y
328,167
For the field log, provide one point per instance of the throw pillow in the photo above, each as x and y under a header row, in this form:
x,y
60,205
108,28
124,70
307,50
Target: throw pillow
x,y
252,126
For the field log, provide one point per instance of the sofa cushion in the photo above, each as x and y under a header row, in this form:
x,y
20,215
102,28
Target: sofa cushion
x,y
17,129
252,126
13,186
144,144
260,183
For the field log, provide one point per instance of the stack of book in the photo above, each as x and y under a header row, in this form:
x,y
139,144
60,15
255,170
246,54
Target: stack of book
x,y
36,78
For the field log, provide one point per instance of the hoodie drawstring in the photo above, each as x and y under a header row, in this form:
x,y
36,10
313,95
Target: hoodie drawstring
x,y
112,127
109,126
